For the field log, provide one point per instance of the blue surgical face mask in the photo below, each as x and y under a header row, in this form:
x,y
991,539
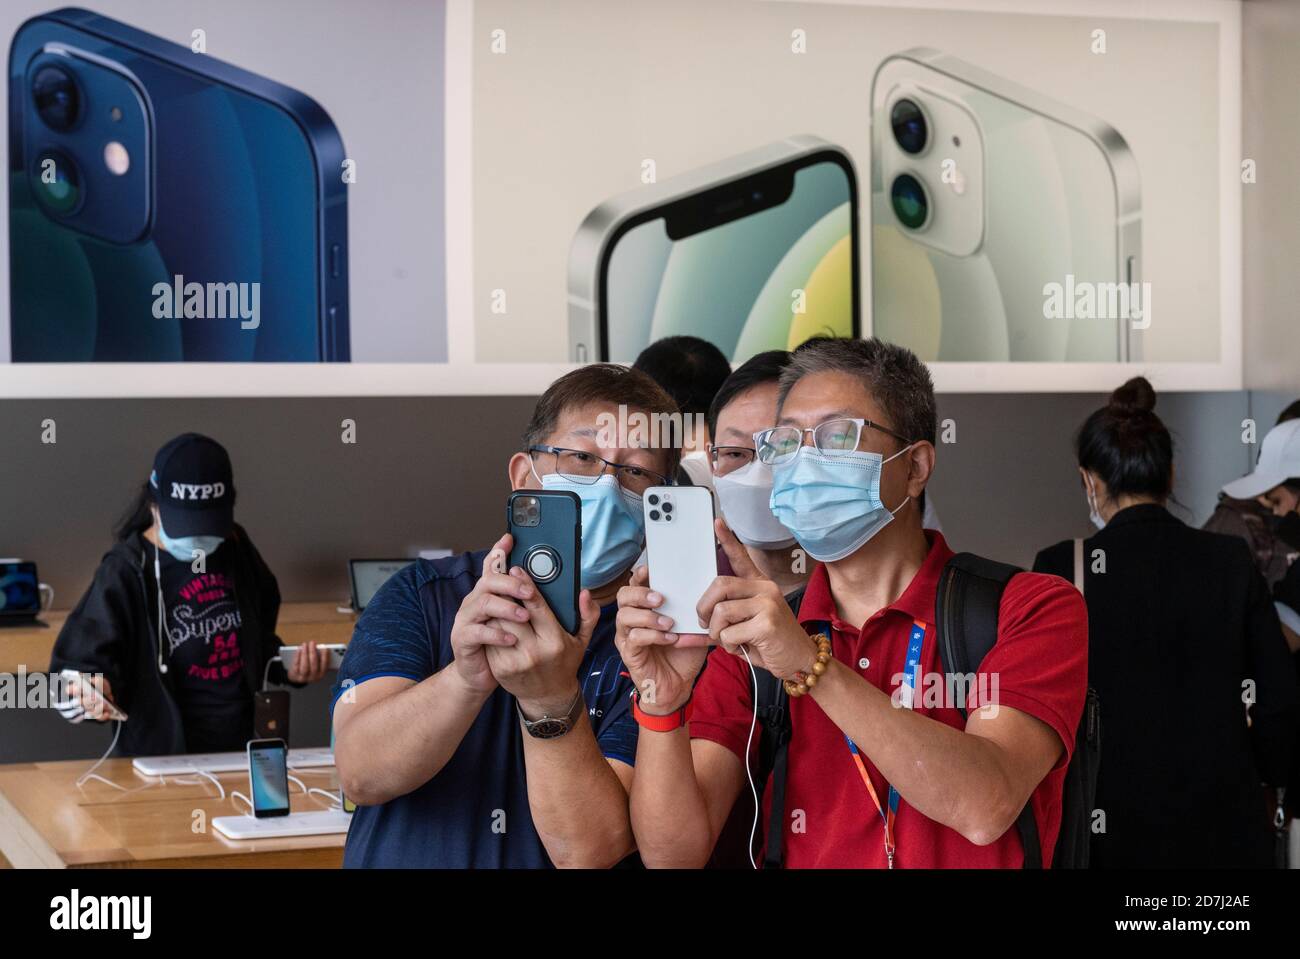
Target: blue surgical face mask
x,y
613,527
831,502
184,547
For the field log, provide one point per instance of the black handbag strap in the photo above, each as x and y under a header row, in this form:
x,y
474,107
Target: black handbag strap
x,y
773,706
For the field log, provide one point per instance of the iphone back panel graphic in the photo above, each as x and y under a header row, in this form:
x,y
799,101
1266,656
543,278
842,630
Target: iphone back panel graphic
x,y
985,193
166,206
680,550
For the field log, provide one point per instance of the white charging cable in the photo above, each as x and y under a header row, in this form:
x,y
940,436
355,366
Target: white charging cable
x,y
749,772
211,778
331,797
266,673
235,794
90,773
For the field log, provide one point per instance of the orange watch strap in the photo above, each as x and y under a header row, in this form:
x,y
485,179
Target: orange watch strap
x,y
661,724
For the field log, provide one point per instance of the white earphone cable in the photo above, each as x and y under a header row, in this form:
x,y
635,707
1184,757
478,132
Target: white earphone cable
x,y
157,581
749,772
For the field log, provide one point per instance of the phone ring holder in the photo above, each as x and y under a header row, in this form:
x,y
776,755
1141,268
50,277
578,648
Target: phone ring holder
x,y
542,563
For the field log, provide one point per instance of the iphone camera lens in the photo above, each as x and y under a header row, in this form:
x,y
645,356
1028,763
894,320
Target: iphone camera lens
x,y
57,182
57,100
908,199
909,125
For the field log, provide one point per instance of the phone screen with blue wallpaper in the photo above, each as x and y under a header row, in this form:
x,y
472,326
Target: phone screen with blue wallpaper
x,y
269,777
766,281
19,590
166,206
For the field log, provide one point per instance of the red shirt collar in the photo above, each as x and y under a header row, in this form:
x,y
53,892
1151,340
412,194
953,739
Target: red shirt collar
x,y
917,601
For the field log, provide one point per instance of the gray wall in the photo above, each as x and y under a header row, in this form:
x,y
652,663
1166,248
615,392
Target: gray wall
x,y
1270,207
424,472
429,472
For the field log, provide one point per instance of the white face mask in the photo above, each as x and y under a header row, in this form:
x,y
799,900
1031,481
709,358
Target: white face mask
x,y
745,496
1093,515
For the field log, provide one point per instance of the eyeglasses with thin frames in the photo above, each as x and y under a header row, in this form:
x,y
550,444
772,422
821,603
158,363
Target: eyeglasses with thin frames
x,y
583,467
834,437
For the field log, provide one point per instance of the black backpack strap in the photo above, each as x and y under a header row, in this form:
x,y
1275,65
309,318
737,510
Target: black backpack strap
x,y
773,749
966,618
966,610
773,706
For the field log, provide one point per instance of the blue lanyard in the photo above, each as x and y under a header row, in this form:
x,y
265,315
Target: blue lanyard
x,y
912,680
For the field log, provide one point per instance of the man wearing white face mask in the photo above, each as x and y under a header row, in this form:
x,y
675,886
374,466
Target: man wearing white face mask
x,y
882,766
178,626
745,405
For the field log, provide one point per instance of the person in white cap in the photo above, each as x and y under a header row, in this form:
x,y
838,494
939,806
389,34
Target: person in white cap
x,y
1275,485
1261,507
1274,541
1275,482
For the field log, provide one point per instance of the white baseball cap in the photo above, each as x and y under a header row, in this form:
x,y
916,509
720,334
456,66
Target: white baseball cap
x,y
1279,461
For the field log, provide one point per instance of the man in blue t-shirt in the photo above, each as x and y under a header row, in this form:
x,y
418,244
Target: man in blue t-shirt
x,y
458,675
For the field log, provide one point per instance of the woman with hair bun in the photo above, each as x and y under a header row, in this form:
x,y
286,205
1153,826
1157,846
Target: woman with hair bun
x,y
1198,693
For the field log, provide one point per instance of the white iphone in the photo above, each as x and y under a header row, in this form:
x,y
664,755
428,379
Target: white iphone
x,y
335,650
680,550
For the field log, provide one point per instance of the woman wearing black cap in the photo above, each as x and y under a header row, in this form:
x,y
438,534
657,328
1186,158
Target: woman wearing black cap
x,y
178,626
1182,638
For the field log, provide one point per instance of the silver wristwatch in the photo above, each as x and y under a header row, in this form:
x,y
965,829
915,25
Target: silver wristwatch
x,y
551,727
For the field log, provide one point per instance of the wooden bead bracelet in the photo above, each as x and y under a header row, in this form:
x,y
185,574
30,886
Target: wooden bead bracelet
x,y
802,681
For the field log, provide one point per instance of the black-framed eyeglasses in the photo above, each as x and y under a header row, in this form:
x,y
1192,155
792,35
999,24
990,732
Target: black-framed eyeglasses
x,y
583,467
833,437
728,459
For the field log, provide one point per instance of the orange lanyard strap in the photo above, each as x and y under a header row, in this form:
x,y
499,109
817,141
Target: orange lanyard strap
x,y
911,678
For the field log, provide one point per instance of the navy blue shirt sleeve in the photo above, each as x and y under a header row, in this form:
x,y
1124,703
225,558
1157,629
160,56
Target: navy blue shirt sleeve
x,y
617,739
606,688
392,636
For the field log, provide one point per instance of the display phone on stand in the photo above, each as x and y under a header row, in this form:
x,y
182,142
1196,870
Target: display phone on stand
x,y
680,550
756,252
271,714
547,529
268,777
984,193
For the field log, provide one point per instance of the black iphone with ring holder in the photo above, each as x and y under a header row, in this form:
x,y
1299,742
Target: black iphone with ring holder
x,y
547,529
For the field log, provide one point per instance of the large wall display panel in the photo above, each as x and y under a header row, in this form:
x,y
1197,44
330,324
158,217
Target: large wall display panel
x,y
197,190
1036,196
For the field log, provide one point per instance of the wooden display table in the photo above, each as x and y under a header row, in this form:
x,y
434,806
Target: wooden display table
x,y
46,820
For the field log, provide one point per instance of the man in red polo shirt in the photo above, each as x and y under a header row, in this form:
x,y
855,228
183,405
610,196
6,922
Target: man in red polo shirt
x,y
870,782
